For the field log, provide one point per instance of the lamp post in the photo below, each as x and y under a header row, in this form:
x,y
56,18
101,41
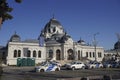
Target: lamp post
x,y
95,45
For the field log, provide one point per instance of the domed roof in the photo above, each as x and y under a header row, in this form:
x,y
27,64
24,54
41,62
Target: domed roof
x,y
117,45
53,23
80,41
51,28
15,38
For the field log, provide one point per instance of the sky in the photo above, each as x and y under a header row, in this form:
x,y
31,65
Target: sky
x,y
80,18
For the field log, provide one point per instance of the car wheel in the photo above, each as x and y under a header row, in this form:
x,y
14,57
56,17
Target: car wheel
x,y
101,66
42,70
56,69
110,66
92,67
83,67
73,68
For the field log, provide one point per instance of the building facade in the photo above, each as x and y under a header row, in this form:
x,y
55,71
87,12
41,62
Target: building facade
x,y
113,54
53,43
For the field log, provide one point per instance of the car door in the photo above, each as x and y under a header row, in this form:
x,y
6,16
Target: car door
x,y
79,65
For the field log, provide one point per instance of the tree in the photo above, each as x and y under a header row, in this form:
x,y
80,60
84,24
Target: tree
x,y
5,10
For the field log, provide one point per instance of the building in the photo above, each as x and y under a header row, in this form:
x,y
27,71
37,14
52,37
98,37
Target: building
x,y
113,54
53,43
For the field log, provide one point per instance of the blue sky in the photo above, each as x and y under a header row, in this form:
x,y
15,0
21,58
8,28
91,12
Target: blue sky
x,y
80,18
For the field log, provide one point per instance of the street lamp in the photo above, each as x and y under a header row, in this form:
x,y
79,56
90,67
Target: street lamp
x,y
95,45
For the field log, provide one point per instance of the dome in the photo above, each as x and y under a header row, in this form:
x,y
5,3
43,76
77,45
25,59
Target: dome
x,y
81,42
55,22
51,28
52,24
15,38
117,45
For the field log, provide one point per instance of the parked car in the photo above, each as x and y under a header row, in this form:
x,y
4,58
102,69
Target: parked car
x,y
56,63
115,64
107,64
46,67
94,64
75,65
118,64
111,64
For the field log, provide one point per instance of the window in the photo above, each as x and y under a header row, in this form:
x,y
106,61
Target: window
x,y
99,54
78,54
34,53
50,54
81,53
15,53
28,53
90,54
93,54
39,54
86,54
58,56
19,53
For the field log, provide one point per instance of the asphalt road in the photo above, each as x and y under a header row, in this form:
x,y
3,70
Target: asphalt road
x,y
27,73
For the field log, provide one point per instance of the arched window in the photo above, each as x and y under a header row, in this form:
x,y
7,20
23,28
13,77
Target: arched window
x,y
29,53
78,54
93,54
90,54
86,54
39,54
58,54
34,53
70,54
19,53
15,53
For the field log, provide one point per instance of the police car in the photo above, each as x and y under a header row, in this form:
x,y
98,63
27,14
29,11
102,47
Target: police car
x,y
46,67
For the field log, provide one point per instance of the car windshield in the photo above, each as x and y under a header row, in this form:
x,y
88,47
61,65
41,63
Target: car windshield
x,y
44,63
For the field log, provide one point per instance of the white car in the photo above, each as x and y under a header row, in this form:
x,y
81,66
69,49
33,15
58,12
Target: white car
x,y
94,64
55,62
46,67
75,65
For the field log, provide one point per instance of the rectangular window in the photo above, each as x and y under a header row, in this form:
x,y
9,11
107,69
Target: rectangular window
x,y
25,50
86,54
93,54
99,54
90,54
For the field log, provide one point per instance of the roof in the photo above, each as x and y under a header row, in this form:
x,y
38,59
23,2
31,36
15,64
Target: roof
x,y
15,38
31,41
117,45
53,22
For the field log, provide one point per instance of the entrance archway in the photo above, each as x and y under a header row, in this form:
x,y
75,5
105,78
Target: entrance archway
x,y
50,54
70,54
58,54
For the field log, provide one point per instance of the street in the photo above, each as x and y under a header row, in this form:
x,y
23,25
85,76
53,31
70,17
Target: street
x,y
28,73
